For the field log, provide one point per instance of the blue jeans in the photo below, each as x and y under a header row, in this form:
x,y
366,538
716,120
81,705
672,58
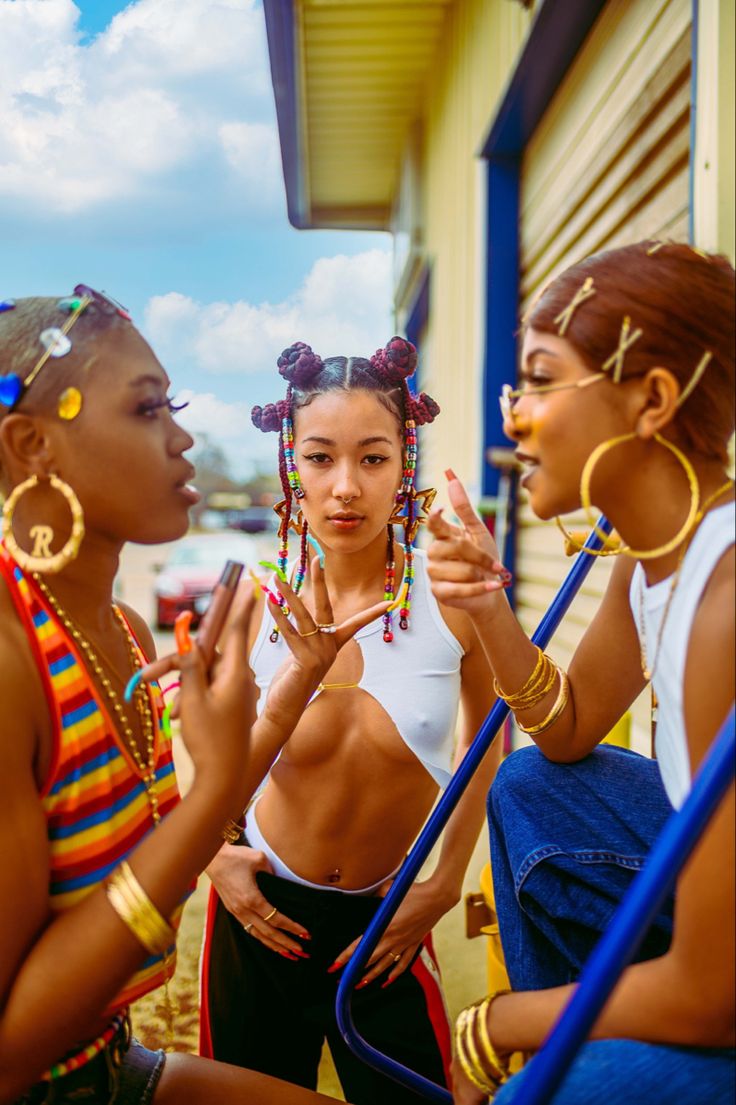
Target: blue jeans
x,y
566,842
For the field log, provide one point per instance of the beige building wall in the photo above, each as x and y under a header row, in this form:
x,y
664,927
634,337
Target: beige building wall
x,y
479,47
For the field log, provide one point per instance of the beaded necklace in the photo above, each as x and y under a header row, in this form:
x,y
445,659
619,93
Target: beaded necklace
x,y
146,768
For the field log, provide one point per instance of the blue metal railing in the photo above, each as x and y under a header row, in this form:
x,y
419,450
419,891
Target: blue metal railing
x,y
617,946
426,840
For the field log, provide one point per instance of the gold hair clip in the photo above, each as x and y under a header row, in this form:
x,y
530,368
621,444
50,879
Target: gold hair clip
x,y
695,378
585,291
655,248
625,342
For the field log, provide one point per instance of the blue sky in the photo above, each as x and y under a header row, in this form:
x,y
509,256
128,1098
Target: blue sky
x,y
139,154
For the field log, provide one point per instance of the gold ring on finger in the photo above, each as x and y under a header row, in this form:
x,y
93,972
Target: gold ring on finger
x,y
273,913
312,632
397,957
248,927
327,627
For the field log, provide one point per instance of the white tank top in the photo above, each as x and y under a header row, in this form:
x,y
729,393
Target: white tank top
x,y
713,537
415,678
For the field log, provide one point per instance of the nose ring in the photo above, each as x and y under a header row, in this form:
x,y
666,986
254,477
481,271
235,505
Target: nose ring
x,y
346,501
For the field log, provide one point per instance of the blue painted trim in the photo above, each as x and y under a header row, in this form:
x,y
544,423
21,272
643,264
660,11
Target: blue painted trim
x,y
554,38
419,313
280,32
502,301
693,120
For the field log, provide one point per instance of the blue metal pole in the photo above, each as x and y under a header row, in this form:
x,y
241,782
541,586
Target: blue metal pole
x,y
426,840
638,908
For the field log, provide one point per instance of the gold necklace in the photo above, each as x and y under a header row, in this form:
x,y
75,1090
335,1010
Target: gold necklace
x,y
647,671
146,768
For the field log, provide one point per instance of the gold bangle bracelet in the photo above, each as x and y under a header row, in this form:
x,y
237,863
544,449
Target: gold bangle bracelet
x,y
491,1078
542,688
133,906
473,1076
559,705
529,682
489,1050
231,831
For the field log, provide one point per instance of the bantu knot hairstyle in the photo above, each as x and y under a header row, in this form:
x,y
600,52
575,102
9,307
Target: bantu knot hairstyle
x,y
299,365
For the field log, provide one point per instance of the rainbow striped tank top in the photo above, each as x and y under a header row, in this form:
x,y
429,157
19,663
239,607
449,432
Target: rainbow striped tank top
x,y
94,798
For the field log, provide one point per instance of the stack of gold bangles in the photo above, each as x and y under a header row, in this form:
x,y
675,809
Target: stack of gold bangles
x,y
133,906
476,1054
539,684
232,831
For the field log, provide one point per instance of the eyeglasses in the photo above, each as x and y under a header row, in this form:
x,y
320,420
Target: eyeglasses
x,y
12,386
509,396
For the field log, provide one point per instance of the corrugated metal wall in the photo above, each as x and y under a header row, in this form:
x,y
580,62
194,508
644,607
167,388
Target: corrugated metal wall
x,y
607,165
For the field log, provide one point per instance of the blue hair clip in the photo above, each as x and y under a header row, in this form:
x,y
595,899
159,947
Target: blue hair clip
x,y
10,388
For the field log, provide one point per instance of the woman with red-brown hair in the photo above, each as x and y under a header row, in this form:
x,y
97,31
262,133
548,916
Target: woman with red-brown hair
x,y
626,404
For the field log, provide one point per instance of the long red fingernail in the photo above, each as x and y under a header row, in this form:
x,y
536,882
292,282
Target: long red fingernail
x,y
288,955
303,955
304,936
361,984
335,967
181,632
387,983
449,474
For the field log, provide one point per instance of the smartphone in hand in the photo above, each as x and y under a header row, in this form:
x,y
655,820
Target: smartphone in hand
x,y
215,616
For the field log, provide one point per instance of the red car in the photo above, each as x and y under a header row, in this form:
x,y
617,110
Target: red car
x,y
187,578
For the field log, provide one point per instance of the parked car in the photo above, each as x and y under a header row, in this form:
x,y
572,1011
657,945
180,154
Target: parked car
x,y
254,519
188,576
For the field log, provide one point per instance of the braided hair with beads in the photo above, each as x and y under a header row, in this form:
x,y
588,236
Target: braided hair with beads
x,y
385,374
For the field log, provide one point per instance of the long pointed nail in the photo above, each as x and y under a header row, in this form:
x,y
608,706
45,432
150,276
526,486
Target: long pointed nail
x,y
449,474
335,967
362,983
288,955
387,983
304,936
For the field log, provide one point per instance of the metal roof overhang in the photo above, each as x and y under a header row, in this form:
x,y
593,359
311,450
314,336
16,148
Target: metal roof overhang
x,y
349,78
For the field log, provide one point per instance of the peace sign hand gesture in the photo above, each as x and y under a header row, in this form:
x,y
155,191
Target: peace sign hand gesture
x,y
463,560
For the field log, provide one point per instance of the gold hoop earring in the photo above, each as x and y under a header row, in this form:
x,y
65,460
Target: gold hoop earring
x,y
41,559
692,479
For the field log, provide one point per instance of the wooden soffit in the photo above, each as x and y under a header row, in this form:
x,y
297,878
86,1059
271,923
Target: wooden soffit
x,y
349,78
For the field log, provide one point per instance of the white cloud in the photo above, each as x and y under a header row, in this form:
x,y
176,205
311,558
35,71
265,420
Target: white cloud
x,y
343,307
169,86
211,419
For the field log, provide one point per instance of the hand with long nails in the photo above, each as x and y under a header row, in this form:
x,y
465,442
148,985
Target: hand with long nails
x,y
463,563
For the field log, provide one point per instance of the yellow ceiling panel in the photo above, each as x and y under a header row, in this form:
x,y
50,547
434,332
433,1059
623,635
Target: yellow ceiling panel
x,y
349,85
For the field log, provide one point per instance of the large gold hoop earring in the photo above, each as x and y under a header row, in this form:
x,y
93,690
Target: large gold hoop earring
x,y
692,479
41,559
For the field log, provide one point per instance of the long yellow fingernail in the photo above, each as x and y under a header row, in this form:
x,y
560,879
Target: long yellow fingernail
x,y
399,598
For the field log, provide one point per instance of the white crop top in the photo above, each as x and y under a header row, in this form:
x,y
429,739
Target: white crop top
x,y
713,537
415,678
